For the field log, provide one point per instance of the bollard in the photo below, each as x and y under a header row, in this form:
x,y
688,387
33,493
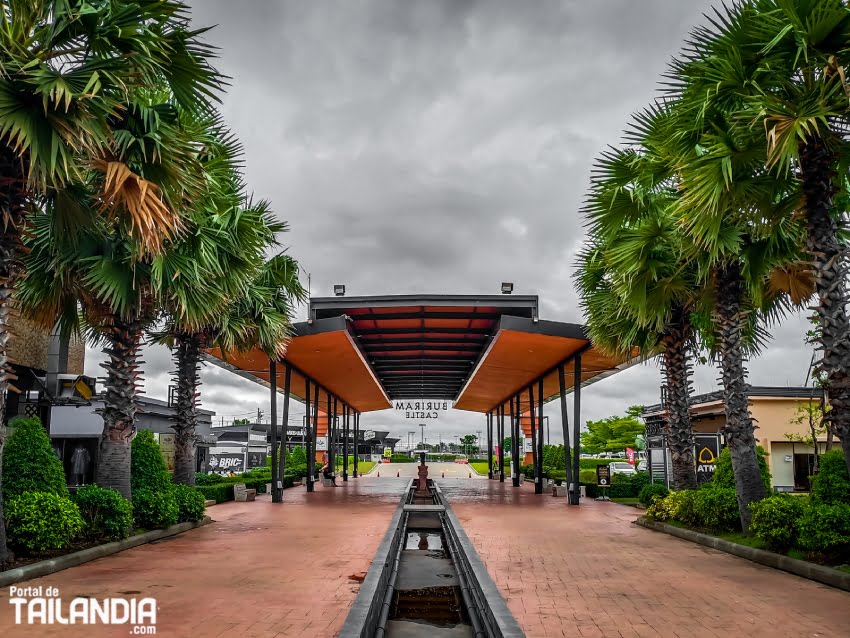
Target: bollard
x,y
398,474
379,474
470,475
444,475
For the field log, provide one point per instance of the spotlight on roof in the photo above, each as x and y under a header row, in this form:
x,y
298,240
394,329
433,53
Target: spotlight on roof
x,y
507,287
339,290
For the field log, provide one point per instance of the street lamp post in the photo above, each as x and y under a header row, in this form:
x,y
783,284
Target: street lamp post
x,y
422,425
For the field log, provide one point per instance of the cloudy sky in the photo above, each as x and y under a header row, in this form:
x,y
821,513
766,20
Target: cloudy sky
x,y
443,147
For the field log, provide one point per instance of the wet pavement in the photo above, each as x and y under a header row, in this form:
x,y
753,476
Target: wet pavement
x,y
435,470
589,571
261,570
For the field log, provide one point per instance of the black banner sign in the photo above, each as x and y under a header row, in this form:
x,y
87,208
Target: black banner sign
x,y
603,476
225,463
706,452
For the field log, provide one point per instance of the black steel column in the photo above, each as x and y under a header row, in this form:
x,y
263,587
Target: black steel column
x,y
345,414
501,437
565,427
489,445
514,442
535,462
308,434
356,442
540,429
315,426
331,431
576,426
277,481
287,381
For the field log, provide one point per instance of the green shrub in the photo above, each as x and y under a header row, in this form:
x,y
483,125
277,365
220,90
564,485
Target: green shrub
x,y
298,456
154,510
679,506
29,464
776,521
724,476
826,529
207,479
649,493
716,509
220,492
39,521
831,485
108,515
587,476
403,458
190,504
147,467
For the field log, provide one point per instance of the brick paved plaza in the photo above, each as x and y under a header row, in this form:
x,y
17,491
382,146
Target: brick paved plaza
x,y
588,571
264,570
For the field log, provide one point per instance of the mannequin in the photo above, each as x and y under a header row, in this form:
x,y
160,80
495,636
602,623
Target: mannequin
x,y
80,461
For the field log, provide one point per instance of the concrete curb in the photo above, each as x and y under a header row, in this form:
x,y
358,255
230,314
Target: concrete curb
x,y
45,567
804,569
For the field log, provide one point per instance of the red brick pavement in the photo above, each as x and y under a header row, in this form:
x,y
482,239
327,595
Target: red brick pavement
x,y
588,571
261,570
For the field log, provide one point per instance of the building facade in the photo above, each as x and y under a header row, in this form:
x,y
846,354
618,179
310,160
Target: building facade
x,y
780,419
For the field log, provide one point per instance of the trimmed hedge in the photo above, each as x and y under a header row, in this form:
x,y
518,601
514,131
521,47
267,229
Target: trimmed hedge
x,y
107,514
650,492
831,485
40,521
29,464
147,467
826,529
220,492
776,521
190,504
154,510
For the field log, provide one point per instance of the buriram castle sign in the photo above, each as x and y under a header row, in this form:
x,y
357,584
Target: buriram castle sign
x,y
422,409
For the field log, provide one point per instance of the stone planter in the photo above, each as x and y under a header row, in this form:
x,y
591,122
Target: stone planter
x,y
559,490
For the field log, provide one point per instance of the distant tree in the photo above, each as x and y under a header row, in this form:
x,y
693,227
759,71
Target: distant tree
x,y
241,422
613,434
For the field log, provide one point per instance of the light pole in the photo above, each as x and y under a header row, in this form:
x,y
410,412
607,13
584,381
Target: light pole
x,y
422,425
410,440
478,441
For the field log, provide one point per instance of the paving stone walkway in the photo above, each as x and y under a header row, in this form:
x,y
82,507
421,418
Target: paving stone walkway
x,y
588,571
260,571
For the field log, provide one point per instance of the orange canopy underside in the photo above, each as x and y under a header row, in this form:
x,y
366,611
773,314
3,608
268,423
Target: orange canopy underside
x,y
369,355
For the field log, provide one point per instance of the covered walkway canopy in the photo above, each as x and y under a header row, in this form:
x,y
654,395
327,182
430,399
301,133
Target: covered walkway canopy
x,y
490,354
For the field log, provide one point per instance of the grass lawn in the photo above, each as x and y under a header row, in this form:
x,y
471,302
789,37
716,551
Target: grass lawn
x,y
480,467
363,467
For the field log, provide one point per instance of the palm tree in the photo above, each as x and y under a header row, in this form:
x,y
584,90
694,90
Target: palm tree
x,y
779,68
229,246
749,249
67,70
635,288
260,317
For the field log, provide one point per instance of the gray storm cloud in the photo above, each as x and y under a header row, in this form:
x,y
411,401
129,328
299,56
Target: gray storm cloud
x,y
442,146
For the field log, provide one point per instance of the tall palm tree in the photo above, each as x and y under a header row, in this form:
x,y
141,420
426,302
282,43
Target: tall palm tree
x,y
749,249
779,68
66,71
635,288
260,317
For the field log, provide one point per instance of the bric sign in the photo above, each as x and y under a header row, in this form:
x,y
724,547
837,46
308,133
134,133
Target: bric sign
x,y
421,409
43,606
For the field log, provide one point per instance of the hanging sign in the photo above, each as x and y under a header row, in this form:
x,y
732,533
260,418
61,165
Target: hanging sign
x,y
321,444
528,446
421,409
603,476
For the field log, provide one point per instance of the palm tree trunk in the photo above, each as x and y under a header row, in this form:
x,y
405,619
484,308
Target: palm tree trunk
x,y
14,200
187,357
739,430
829,261
677,369
119,410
